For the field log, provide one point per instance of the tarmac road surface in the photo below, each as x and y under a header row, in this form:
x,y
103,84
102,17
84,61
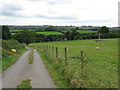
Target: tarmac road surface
x,y
22,70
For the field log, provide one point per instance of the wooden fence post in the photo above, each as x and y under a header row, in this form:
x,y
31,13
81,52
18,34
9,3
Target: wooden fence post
x,y
44,48
52,50
81,58
57,52
66,55
49,49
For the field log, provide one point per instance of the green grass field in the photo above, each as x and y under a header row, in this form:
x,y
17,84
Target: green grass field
x,y
15,30
49,33
45,33
11,30
86,31
102,65
13,33
53,32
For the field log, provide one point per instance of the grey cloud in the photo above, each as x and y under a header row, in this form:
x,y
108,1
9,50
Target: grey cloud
x,y
56,2
63,17
52,2
88,21
11,7
34,0
11,14
11,11
4,13
60,17
40,16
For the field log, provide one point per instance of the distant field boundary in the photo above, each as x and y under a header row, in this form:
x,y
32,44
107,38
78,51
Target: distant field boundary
x,y
53,32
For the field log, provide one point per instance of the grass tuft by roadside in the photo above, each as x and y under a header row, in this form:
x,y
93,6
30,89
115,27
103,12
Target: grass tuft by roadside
x,y
25,85
31,58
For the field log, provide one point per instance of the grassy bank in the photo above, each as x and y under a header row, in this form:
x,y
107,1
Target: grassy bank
x,y
57,76
10,59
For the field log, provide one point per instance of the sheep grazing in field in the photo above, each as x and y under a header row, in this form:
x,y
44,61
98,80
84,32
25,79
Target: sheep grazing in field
x,y
13,50
97,48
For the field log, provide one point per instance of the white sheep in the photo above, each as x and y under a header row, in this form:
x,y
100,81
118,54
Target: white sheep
x,y
97,48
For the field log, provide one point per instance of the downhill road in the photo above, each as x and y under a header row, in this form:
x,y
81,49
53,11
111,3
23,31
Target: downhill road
x,y
22,70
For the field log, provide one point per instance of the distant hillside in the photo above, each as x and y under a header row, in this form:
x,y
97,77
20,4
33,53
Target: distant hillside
x,y
53,28
42,28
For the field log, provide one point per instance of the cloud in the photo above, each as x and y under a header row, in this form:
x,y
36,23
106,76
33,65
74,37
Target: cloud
x,y
60,12
6,13
34,0
40,16
11,11
64,17
56,17
56,2
52,2
11,14
89,21
11,7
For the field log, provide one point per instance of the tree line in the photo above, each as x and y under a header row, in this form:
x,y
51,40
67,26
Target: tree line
x,y
26,36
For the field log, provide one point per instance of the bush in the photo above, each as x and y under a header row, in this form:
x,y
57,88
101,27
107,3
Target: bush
x,y
10,44
5,52
23,45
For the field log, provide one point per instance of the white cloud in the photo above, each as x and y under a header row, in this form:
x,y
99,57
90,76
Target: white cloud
x,y
61,12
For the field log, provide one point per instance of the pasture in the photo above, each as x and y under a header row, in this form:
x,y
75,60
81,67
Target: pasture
x,y
11,30
101,66
53,32
49,33
45,33
86,31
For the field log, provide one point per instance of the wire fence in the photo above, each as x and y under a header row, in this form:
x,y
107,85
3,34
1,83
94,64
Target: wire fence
x,y
74,67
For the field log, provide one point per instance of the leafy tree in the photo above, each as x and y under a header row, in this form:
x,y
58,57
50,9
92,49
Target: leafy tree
x,y
5,33
71,35
25,36
77,28
74,34
41,38
50,28
104,29
67,35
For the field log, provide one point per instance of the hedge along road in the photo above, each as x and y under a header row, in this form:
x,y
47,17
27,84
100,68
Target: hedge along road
x,y
22,70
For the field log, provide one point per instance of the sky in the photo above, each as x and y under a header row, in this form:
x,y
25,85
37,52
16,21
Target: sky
x,y
59,12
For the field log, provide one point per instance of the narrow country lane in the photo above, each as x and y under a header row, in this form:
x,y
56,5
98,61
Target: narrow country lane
x,y
22,70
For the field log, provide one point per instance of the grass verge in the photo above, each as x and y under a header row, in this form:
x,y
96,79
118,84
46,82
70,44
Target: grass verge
x,y
58,78
25,85
8,60
31,58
